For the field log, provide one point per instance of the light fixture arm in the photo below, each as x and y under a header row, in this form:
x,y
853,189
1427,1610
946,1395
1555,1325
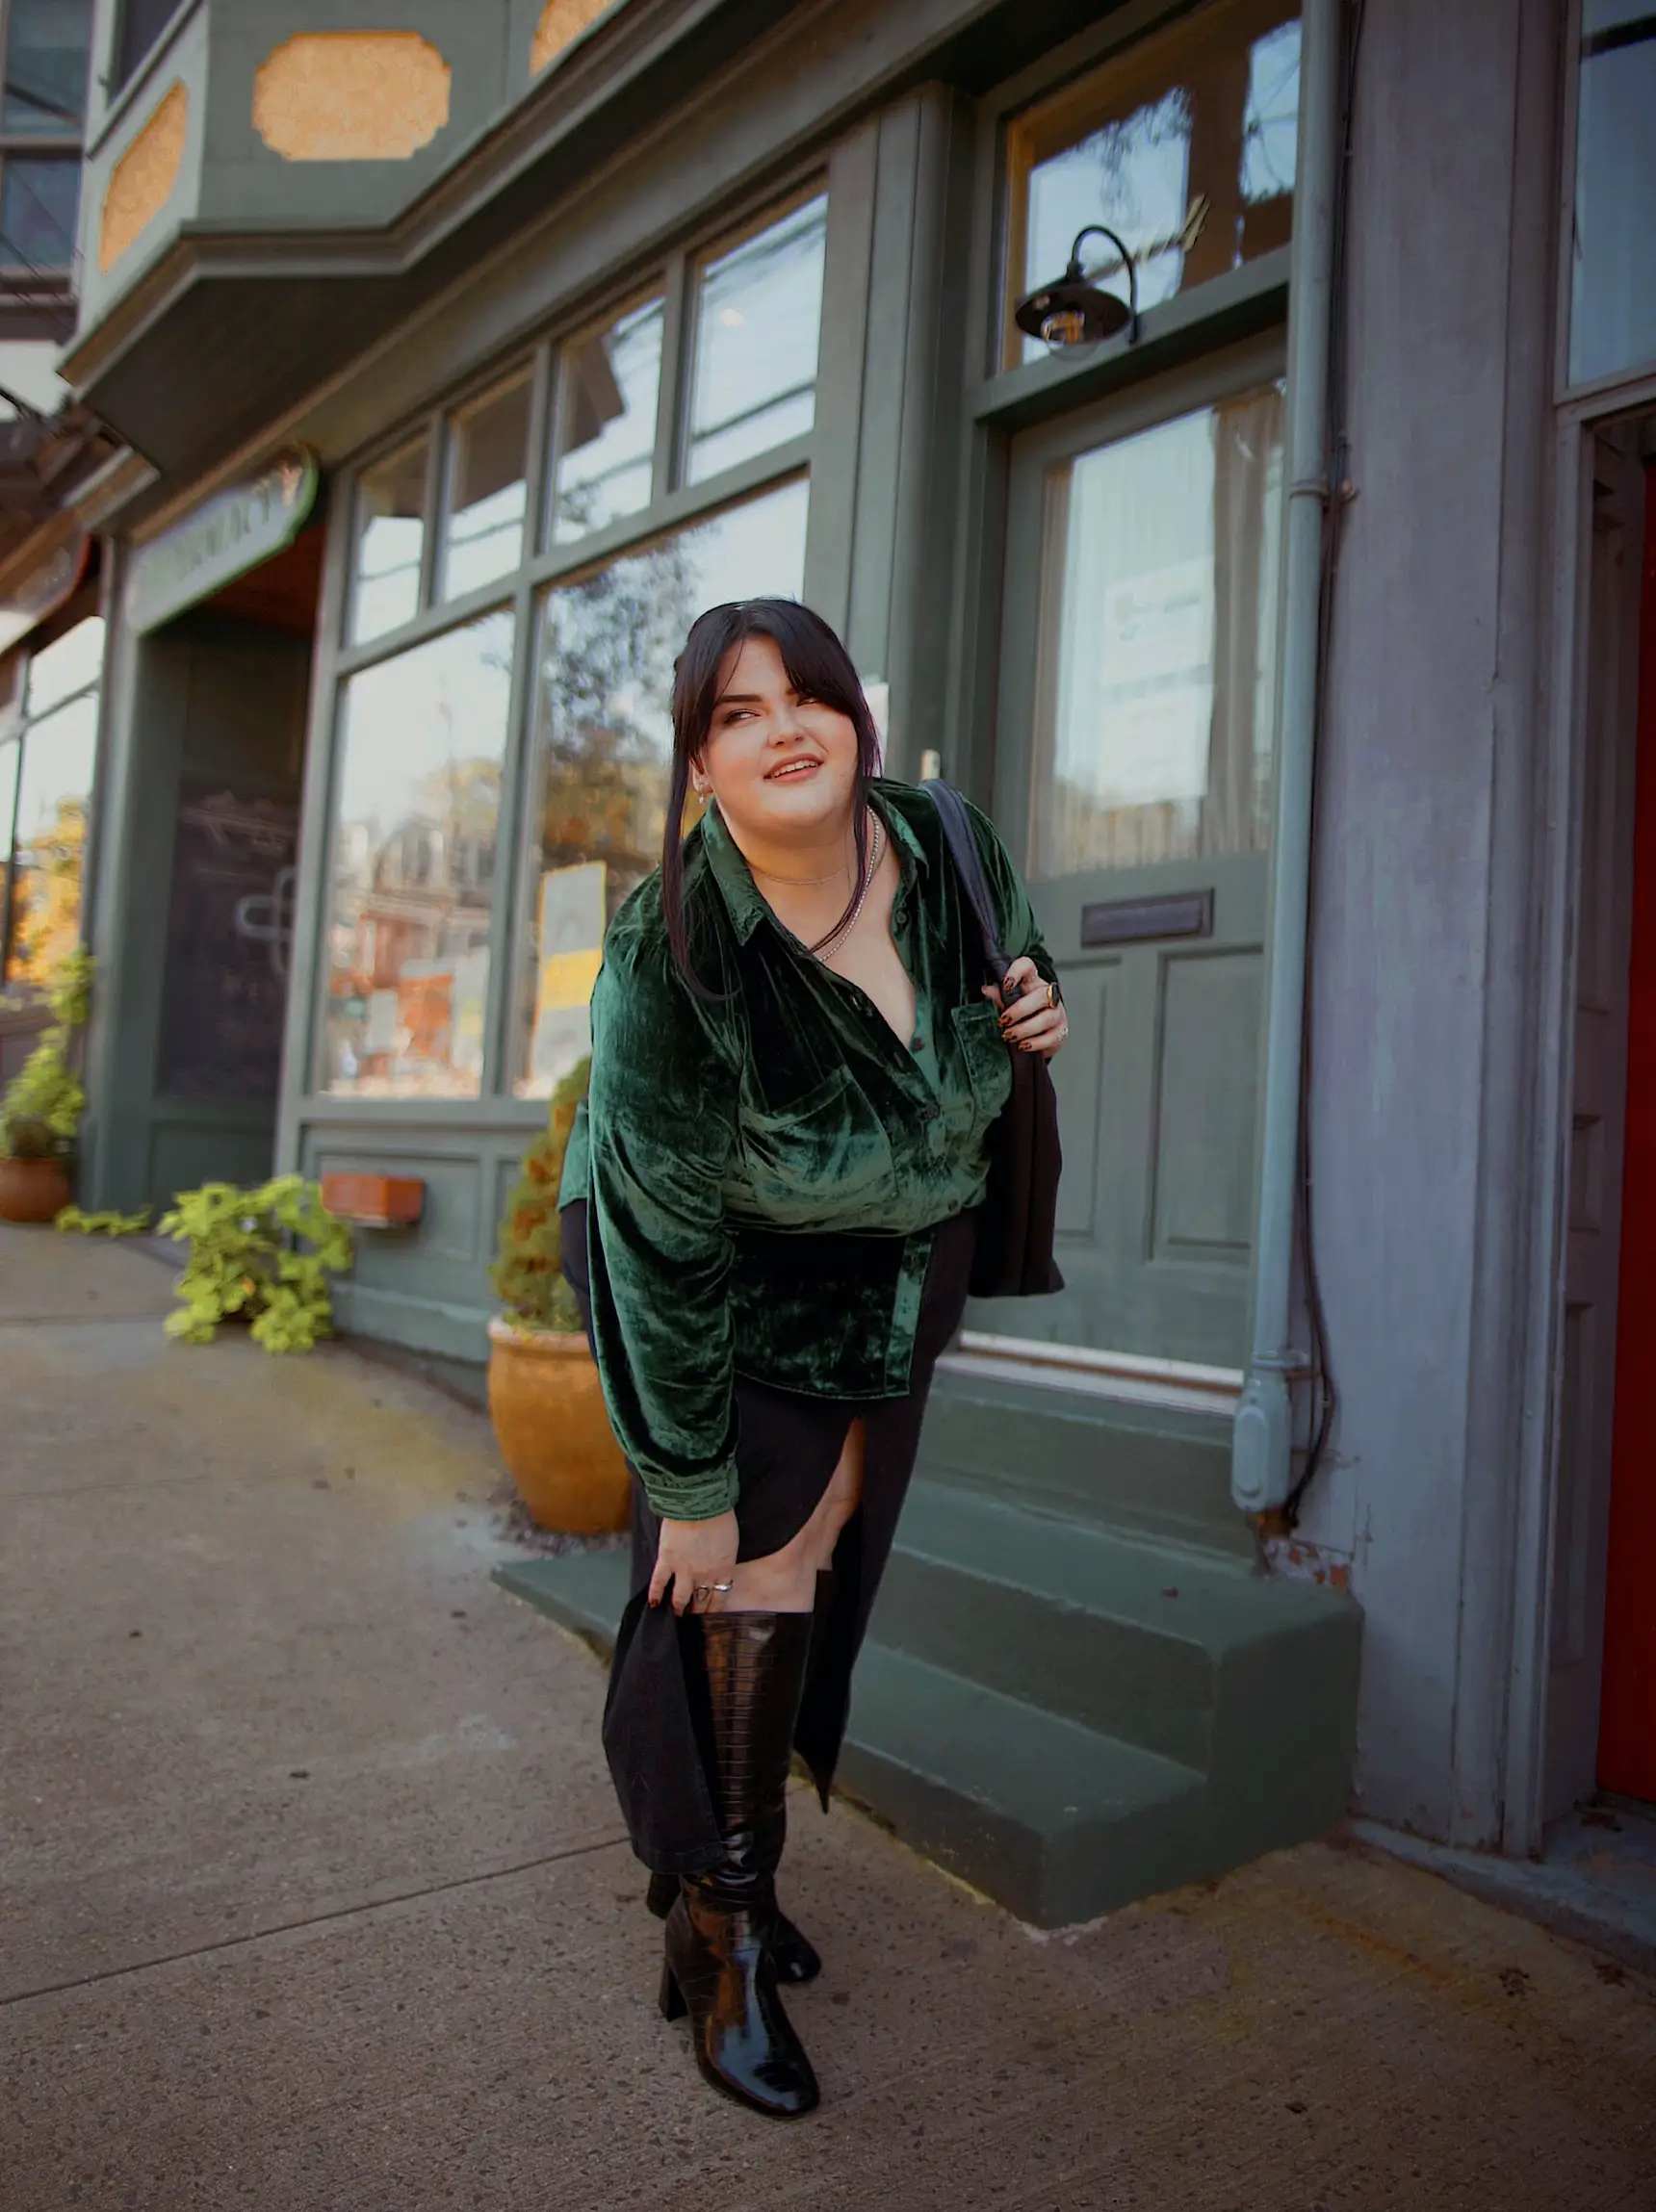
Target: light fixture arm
x,y
1074,274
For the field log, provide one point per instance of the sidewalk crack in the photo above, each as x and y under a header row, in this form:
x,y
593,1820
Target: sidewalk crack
x,y
315,1920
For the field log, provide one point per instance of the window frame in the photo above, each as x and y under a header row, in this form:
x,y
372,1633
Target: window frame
x,y
673,505
31,295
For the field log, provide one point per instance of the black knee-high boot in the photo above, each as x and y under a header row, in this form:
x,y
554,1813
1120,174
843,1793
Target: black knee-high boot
x,y
720,1932
793,1953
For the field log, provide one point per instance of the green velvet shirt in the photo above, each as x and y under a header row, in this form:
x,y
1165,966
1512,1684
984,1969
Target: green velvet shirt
x,y
764,1172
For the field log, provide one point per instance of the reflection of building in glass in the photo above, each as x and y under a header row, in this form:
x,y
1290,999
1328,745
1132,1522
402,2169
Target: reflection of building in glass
x,y
410,944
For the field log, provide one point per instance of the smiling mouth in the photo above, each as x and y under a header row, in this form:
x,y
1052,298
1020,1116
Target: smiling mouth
x,y
790,768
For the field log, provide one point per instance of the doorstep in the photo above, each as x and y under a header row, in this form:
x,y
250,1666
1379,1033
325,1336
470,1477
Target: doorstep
x,y
1065,1716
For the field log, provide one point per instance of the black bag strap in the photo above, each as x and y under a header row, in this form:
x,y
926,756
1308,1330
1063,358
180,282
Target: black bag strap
x,y
963,850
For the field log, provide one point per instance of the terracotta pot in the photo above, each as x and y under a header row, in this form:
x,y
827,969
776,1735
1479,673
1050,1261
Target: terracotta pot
x,y
32,1190
554,1432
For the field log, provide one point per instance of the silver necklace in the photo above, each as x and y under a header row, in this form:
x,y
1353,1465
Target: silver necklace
x,y
843,929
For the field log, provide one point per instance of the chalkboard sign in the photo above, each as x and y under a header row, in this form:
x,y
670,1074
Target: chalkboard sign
x,y
228,937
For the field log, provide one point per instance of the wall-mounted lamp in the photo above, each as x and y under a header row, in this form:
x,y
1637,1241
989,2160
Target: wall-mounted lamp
x,y
1072,312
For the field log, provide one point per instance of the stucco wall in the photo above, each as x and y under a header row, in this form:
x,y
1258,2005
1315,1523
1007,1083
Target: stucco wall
x,y
1425,839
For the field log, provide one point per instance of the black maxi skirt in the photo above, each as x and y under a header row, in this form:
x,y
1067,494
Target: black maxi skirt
x,y
657,1735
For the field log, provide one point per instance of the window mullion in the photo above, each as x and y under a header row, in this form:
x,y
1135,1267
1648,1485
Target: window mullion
x,y
539,460
506,935
501,998
436,471
675,377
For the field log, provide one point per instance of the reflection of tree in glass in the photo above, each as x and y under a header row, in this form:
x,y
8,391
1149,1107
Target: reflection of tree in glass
x,y
46,894
1270,125
1121,154
607,649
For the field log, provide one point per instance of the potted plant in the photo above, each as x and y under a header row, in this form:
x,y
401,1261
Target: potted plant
x,y
43,1104
545,1397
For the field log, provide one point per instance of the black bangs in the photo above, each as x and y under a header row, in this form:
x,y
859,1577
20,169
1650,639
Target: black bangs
x,y
818,667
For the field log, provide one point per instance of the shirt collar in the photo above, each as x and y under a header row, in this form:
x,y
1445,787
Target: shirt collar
x,y
744,900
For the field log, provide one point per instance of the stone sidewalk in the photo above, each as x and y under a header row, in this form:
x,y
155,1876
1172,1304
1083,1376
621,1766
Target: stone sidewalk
x,y
314,1898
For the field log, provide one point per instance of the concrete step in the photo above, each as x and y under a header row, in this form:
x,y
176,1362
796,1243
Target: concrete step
x,y
1150,1643
1038,1710
585,1593
1054,1821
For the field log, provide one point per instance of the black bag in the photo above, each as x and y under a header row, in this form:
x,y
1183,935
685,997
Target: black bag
x,y
1013,1257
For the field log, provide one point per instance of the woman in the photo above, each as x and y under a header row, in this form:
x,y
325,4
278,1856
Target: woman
x,y
768,1221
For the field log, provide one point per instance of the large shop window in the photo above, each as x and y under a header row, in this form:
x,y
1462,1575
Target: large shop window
x,y
423,737
1185,146
1613,300
1157,664
666,477
604,737
47,757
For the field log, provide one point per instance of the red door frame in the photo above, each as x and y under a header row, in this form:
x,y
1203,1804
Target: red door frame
x,y
1628,1711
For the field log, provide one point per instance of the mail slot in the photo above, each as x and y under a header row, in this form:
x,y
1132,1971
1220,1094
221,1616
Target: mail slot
x,y
374,1201
1134,921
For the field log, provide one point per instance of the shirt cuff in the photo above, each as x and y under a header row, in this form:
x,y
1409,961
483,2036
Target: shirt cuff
x,y
700,1497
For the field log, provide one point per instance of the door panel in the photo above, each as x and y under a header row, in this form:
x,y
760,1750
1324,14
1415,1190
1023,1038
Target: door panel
x,y
1133,774
1588,1377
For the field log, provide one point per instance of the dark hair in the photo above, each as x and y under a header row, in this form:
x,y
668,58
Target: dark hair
x,y
818,667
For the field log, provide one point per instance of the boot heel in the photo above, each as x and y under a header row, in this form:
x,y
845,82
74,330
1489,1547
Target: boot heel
x,y
672,1998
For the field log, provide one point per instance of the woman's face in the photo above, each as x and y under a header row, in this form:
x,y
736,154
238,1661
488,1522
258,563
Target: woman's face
x,y
779,766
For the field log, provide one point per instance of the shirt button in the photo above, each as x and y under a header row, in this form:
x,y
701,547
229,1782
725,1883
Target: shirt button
x,y
928,1113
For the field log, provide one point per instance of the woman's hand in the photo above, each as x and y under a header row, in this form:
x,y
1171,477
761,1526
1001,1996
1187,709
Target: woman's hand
x,y
1027,1020
694,1558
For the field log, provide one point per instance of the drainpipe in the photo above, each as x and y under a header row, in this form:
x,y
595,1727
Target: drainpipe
x,y
1261,1441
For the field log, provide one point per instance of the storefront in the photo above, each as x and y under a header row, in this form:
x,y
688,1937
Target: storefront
x,y
687,320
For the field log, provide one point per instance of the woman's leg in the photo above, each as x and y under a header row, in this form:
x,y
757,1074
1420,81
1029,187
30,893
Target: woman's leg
x,y
785,1581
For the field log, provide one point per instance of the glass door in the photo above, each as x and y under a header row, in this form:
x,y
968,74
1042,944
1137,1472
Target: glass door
x,y
1133,778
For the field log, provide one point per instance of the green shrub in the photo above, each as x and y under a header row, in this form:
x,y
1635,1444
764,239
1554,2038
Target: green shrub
x,y
529,1273
246,1257
44,1101
72,1221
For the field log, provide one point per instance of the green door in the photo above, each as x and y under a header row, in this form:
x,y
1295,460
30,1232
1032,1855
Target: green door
x,y
1133,777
